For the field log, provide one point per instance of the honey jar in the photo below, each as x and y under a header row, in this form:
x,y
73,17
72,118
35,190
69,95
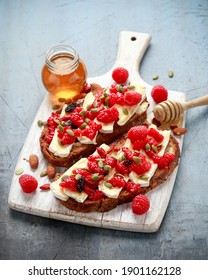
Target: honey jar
x,y
64,74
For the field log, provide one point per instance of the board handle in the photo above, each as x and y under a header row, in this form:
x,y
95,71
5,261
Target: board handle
x,y
131,49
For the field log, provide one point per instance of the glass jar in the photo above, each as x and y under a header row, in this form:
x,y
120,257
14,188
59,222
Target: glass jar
x,y
64,74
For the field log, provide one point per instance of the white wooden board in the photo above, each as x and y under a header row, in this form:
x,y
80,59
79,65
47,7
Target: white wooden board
x,y
132,47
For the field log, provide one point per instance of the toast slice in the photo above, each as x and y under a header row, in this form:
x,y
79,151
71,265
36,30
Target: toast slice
x,y
78,117
100,191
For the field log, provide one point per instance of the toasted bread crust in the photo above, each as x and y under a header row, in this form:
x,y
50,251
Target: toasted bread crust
x,y
84,150
107,204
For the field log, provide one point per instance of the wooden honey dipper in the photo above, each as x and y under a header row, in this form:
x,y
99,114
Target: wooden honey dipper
x,y
169,111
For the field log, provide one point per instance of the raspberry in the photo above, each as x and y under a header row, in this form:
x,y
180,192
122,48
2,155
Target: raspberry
x,y
69,183
156,135
140,168
120,75
77,119
132,188
164,161
139,144
159,93
112,99
121,168
132,98
28,183
110,161
101,152
108,115
93,194
140,204
117,182
137,133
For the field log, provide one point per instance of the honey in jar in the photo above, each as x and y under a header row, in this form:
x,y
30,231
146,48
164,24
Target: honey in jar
x,y
64,74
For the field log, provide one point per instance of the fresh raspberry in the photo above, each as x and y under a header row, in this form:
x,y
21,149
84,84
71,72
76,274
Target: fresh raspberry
x,y
159,93
132,188
93,194
117,182
132,98
128,154
45,187
108,115
89,133
156,135
140,204
137,133
94,168
139,144
164,161
77,119
113,89
28,183
120,75
122,168
140,168
112,99
110,161
69,183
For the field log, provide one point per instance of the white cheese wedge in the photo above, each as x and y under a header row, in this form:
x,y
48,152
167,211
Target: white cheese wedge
x,y
57,148
106,127
111,193
89,99
62,193
79,197
86,140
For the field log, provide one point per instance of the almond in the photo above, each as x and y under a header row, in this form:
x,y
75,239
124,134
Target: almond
x,y
51,171
178,131
33,161
95,88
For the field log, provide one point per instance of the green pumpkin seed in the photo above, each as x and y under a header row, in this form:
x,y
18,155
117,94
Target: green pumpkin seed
x,y
171,74
100,164
83,113
155,148
19,171
120,88
147,147
82,126
144,177
155,77
136,159
106,167
41,123
131,87
125,111
61,128
43,173
94,110
70,132
87,120
109,185
95,177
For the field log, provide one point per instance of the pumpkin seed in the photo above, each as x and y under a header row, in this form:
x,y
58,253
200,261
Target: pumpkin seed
x,y
136,159
170,74
144,177
147,147
70,132
155,77
100,163
82,126
95,177
87,120
131,87
61,128
120,88
78,176
19,171
106,167
94,110
41,123
83,113
154,148
43,173
109,185
125,111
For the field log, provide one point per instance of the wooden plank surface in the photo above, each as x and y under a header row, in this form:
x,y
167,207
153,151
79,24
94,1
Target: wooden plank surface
x,y
131,49
179,42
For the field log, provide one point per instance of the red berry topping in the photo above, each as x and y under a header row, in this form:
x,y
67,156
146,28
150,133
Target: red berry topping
x,y
28,183
69,183
45,187
159,93
137,133
93,194
132,98
117,182
139,144
132,188
120,75
122,168
140,168
108,115
156,135
110,161
164,161
140,204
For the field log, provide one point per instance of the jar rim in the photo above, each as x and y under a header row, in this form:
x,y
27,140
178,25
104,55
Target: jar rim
x,y
56,50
